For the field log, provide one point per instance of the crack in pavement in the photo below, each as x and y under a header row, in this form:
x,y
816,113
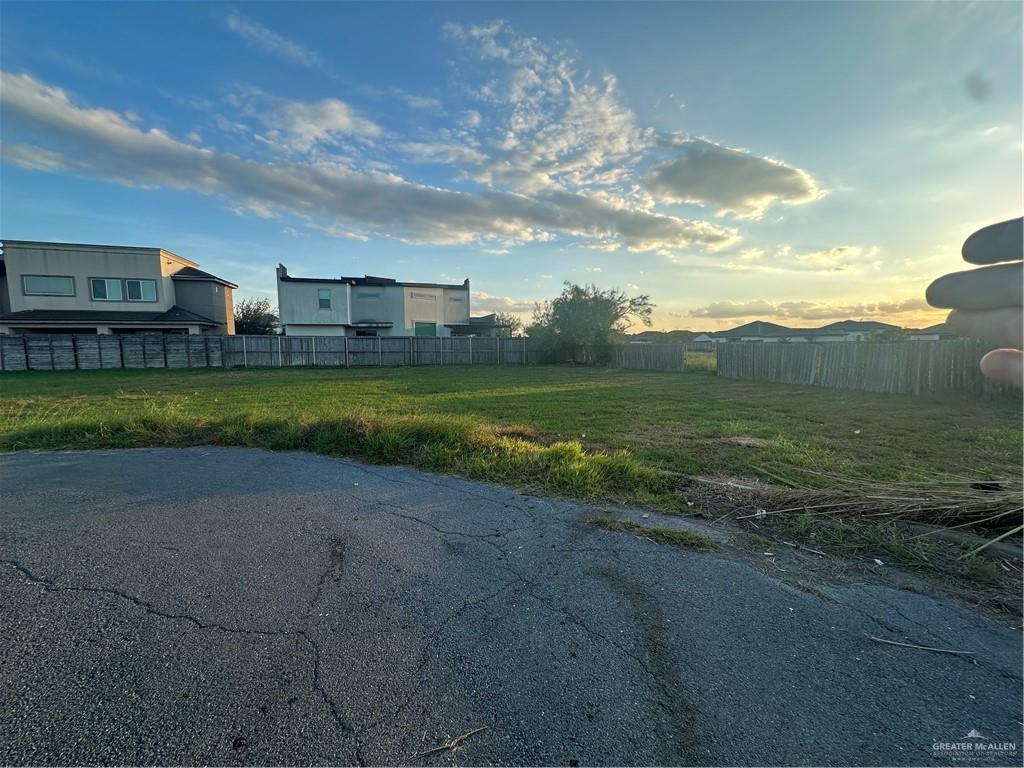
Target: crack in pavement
x,y
332,572
50,586
426,656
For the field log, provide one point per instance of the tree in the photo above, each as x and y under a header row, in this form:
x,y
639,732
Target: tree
x,y
585,323
255,317
889,335
508,324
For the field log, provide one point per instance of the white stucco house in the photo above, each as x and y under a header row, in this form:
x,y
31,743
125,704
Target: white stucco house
x,y
105,289
375,306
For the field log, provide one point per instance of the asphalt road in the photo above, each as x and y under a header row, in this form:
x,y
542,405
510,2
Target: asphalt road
x,y
231,606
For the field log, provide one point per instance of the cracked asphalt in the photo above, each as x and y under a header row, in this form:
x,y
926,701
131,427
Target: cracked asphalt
x,y
234,606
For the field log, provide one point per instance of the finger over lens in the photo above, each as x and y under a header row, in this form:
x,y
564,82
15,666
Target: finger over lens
x,y
999,326
976,289
1005,366
997,242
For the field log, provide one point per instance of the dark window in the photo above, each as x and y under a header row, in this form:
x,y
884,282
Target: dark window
x,y
324,298
120,289
47,285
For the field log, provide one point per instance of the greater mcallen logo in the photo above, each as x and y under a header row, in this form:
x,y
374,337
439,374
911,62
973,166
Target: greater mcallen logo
x,y
975,743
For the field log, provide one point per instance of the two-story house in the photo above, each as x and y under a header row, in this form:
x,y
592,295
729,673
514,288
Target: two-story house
x,y
71,288
375,306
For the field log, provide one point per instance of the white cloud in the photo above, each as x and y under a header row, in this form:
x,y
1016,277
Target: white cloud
x,y
632,287
810,310
335,231
417,101
439,152
32,158
266,40
720,309
302,126
485,302
554,129
739,183
840,258
103,143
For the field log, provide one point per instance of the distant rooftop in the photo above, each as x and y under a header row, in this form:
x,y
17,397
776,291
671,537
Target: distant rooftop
x,y
282,274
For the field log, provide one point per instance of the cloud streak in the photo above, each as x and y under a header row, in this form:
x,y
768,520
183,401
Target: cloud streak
x,y
809,310
257,36
103,143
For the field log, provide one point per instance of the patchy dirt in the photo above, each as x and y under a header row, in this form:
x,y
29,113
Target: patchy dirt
x,y
748,442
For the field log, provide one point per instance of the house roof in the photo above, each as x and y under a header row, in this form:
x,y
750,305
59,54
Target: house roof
x,y
757,328
940,328
479,322
79,246
283,276
175,315
192,273
773,330
860,325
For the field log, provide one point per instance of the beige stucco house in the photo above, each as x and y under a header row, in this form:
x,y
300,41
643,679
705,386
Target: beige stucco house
x,y
73,288
375,306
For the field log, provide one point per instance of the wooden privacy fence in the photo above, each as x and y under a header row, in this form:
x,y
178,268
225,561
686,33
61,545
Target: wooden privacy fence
x,y
904,367
53,352
373,351
58,352
650,357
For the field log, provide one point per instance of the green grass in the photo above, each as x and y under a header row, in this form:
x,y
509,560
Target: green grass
x,y
673,537
899,547
571,430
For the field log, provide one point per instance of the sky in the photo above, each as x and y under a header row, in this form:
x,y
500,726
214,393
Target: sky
x,y
793,162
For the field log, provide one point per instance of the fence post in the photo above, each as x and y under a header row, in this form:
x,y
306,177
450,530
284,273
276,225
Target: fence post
x,y
470,349
280,361
245,355
380,353
524,350
314,350
497,350
440,340
346,350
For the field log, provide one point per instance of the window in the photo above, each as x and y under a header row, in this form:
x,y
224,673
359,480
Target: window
x,y
140,290
118,289
324,298
426,329
366,333
422,296
106,289
47,285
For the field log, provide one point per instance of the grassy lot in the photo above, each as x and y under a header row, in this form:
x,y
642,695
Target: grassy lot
x,y
529,426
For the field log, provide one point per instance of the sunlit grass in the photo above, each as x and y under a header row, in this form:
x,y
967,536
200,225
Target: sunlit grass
x,y
578,431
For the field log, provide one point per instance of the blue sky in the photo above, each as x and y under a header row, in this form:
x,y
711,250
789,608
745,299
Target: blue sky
x,y
797,162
